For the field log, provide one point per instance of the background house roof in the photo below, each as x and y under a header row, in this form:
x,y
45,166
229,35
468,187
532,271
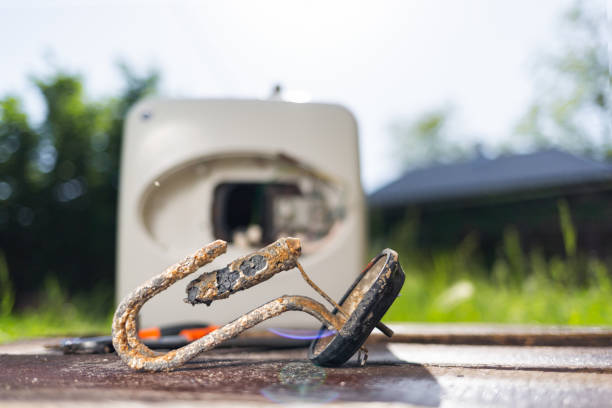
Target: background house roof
x,y
483,177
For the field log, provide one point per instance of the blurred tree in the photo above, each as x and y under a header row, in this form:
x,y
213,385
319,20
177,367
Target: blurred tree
x,y
572,107
427,140
571,110
58,184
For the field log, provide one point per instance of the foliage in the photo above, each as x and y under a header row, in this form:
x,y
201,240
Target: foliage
x,y
426,140
58,199
60,315
7,296
477,299
571,110
567,228
58,185
521,287
572,107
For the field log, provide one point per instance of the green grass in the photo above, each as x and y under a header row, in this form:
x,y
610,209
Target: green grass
x,y
45,323
422,300
56,315
478,300
520,287
453,285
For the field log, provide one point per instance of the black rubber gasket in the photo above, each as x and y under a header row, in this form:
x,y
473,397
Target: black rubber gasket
x,y
372,307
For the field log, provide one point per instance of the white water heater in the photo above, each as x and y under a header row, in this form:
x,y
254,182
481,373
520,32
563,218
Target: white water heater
x,y
247,172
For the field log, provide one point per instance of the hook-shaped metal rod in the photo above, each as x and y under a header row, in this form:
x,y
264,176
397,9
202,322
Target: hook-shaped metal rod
x,y
238,275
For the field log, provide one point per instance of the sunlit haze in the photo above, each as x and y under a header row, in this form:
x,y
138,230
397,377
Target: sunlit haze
x,y
385,61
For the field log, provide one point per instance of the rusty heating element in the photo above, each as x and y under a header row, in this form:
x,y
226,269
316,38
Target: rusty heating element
x,y
240,274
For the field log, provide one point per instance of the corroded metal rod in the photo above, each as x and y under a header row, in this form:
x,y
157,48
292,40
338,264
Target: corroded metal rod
x,y
245,272
238,275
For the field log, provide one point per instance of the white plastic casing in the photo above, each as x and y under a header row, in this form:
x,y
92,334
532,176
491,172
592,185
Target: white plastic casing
x,y
160,223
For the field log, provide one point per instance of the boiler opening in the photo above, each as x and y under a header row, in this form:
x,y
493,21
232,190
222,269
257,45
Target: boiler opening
x,y
243,213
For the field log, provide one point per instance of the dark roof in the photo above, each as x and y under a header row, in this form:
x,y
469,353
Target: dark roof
x,y
484,177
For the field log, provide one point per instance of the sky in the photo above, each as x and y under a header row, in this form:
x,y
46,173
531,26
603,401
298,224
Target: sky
x,y
386,61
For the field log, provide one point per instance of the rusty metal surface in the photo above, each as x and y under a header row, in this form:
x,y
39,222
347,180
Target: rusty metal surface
x,y
423,375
